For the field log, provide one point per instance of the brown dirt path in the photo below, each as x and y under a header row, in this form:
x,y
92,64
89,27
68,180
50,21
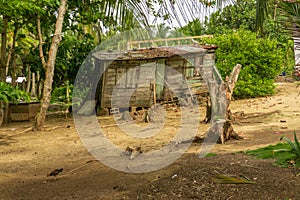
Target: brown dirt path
x,y
26,158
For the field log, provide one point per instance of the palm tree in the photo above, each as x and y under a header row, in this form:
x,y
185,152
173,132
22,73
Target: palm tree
x,y
288,15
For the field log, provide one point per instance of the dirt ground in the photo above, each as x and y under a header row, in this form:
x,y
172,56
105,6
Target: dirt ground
x,y
27,157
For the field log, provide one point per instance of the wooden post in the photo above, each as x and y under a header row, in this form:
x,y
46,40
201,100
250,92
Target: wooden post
x,y
28,80
67,92
38,80
40,88
33,90
154,92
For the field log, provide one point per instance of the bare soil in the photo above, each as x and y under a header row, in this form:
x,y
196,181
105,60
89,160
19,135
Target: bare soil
x,y
27,157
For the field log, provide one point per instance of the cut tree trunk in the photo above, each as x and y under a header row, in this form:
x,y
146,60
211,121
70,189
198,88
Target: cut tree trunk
x,y
228,131
218,104
41,116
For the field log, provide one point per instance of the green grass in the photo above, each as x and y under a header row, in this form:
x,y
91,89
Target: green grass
x,y
281,158
211,155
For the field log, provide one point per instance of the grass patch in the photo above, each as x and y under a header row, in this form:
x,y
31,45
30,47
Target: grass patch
x,y
211,155
281,158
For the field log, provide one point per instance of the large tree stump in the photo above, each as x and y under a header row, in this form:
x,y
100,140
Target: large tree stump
x,y
228,131
218,105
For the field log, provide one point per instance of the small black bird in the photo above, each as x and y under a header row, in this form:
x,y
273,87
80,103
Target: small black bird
x,y
139,149
55,172
128,151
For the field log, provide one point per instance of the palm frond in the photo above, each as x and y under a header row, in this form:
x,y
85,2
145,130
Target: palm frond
x,y
184,11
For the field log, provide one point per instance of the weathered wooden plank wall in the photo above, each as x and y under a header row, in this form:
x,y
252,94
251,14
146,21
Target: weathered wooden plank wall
x,y
130,80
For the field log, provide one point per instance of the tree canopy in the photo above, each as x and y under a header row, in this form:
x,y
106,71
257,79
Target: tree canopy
x,y
88,23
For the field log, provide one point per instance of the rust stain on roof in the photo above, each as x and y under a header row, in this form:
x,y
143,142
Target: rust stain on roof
x,y
159,52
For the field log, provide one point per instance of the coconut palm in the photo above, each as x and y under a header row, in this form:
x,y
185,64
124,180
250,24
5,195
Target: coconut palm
x,y
288,15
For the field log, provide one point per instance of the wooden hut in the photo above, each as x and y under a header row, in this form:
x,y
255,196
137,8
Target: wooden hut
x,y
139,78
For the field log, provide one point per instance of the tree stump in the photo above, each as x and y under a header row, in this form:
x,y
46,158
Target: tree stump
x,y
228,131
218,105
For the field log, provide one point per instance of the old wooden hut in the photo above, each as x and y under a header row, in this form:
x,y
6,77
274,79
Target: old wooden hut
x,y
138,78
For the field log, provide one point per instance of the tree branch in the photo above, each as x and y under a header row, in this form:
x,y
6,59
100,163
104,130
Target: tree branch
x,y
41,42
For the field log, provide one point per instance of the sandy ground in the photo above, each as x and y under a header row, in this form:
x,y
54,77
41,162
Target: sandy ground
x,y
27,157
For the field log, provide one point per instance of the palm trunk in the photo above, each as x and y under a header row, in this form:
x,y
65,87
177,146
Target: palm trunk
x,y
41,116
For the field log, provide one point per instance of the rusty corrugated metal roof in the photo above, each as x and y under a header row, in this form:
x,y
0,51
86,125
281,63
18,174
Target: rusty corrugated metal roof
x,y
159,52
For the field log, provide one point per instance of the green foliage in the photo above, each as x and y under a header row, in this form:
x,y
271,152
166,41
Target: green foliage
x,y
282,159
16,8
260,59
71,54
275,30
86,24
9,94
59,94
294,145
240,15
193,28
211,155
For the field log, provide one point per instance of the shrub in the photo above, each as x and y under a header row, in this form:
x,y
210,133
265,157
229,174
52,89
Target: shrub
x,y
260,58
59,94
9,94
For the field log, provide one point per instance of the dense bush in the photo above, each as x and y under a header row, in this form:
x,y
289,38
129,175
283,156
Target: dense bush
x,y
59,94
260,58
9,94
